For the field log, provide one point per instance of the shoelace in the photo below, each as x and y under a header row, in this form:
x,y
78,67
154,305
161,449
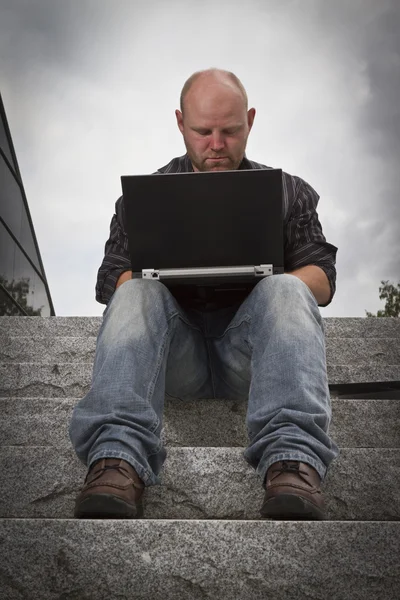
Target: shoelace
x,y
107,468
290,468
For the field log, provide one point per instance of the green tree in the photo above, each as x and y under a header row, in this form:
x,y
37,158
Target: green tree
x,y
19,290
388,292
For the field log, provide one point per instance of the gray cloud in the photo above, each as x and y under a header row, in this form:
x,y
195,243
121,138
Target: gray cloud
x,y
370,32
381,119
71,35
37,31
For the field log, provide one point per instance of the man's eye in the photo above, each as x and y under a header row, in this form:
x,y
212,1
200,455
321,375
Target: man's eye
x,y
230,132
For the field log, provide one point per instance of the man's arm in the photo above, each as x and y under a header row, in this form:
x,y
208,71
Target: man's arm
x,y
312,276
316,280
308,255
116,261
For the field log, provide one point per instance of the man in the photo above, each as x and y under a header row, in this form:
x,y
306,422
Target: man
x,y
267,346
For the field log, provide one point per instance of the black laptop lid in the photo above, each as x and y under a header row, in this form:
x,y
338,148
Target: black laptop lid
x,y
207,219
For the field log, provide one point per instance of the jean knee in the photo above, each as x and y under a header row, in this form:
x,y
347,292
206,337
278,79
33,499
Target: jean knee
x,y
284,289
138,292
139,287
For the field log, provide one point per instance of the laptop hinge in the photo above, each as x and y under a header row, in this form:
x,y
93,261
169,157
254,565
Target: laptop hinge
x,y
189,273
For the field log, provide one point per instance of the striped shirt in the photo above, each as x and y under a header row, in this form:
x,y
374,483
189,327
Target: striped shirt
x,y
304,242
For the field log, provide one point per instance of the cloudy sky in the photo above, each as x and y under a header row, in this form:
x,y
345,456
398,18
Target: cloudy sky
x,y
90,88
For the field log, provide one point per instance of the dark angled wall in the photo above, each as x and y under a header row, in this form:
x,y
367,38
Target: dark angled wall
x,y
23,284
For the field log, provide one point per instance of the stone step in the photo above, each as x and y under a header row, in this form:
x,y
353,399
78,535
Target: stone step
x,y
89,326
194,560
45,422
56,349
200,483
74,379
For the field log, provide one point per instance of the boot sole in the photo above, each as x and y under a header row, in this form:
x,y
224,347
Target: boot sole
x,y
107,506
291,507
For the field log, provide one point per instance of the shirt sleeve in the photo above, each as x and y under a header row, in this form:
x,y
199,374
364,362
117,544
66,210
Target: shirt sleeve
x,y
116,257
305,243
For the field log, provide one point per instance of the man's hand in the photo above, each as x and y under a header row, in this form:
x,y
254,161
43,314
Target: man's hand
x,y
316,280
125,276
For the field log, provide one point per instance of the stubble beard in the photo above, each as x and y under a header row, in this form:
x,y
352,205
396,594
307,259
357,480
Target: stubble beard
x,y
204,166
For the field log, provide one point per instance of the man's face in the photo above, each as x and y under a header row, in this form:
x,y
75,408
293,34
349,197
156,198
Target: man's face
x,y
215,127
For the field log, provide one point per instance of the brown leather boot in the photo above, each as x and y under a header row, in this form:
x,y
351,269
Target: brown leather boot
x,y
112,490
293,492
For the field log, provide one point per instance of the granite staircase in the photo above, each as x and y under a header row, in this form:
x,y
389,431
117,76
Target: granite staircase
x,y
202,536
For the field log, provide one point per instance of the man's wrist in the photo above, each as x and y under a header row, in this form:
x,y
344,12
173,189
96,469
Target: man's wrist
x,y
316,279
125,276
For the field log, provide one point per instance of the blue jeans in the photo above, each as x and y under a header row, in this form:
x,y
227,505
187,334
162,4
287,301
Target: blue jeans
x,y
269,349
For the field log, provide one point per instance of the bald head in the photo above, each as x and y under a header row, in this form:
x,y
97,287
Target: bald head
x,y
202,80
214,120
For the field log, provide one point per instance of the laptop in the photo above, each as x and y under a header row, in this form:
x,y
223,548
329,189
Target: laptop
x,y
219,229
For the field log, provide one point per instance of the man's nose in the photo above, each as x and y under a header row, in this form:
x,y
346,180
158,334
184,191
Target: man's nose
x,y
217,142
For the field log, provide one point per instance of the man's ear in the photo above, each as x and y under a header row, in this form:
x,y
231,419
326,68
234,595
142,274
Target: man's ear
x,y
250,117
179,120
